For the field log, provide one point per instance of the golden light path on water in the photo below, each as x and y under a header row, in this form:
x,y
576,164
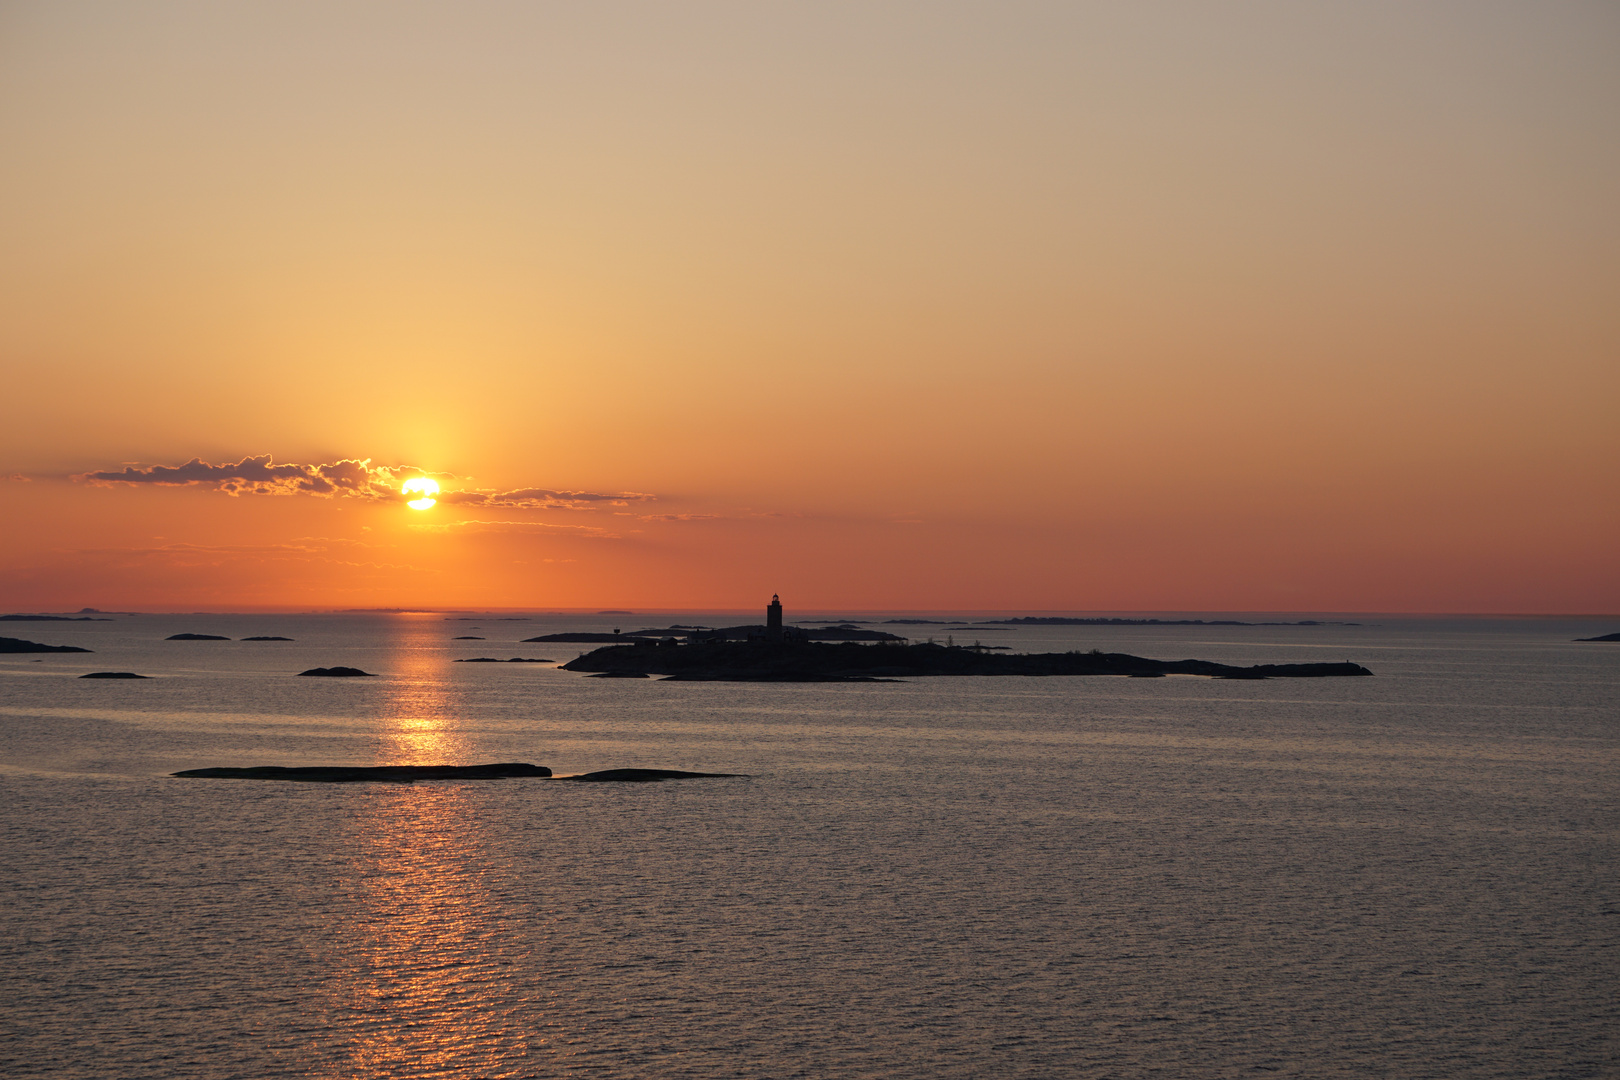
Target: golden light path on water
x,y
423,945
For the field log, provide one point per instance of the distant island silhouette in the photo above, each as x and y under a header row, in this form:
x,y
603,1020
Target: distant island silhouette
x,y
348,774
1604,637
779,653
18,645
838,632
339,672
52,618
512,660
1064,620
267,637
114,675
196,637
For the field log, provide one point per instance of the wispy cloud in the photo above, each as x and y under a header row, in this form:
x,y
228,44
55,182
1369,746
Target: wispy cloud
x,y
476,525
545,498
348,478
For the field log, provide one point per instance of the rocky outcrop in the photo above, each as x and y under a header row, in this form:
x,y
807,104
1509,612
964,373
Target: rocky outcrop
x,y
196,637
339,672
642,776
389,774
114,675
18,645
785,661
510,660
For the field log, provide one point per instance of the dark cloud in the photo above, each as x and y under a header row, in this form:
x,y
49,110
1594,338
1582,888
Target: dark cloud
x,y
260,476
349,478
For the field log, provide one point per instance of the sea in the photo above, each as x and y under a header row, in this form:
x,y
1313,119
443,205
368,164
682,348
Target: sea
x,y
1409,875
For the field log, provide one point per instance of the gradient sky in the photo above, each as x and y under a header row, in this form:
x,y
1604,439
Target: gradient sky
x,y
1046,306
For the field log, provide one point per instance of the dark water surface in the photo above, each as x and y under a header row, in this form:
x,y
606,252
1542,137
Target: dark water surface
x,y
1411,875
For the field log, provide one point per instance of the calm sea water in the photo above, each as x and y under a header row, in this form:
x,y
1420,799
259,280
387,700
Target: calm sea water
x,y
1412,875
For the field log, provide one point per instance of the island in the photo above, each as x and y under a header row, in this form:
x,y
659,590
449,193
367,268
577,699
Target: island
x,y
1603,637
509,660
339,672
776,652
18,645
267,637
349,774
790,661
1064,620
409,774
196,637
51,618
114,675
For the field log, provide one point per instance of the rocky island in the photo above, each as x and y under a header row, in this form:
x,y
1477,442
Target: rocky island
x,y
409,774
778,653
18,645
788,661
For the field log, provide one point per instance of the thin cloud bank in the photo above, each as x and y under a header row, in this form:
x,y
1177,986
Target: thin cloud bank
x,y
348,478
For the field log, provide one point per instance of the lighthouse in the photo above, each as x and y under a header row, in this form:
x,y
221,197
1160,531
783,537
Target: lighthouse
x,y
773,618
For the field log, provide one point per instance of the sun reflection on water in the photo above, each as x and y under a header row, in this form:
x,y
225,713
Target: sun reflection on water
x,y
426,950
419,725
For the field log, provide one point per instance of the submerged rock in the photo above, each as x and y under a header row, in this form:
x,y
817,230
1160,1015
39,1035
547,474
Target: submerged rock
x,y
338,672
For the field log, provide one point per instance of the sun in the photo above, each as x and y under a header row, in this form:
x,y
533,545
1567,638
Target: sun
x,y
424,489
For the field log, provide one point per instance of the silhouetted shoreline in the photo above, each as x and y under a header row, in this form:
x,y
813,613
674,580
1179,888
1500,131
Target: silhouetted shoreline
x,y
784,661
18,645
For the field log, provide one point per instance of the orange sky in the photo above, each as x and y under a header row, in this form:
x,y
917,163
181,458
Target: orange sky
x,y
1014,306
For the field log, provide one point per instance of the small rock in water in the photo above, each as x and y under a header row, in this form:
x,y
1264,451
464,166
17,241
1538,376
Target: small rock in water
x,y
340,672
114,675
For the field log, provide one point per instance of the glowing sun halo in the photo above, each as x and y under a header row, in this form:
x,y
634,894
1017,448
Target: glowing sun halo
x,y
424,489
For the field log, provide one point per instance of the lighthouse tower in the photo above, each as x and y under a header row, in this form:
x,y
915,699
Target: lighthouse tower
x,y
773,618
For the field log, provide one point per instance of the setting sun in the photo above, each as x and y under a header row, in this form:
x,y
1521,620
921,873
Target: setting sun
x,y
424,488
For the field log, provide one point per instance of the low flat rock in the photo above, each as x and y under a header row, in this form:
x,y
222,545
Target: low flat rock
x,y
1604,637
114,675
642,776
386,774
196,637
466,637
509,660
339,672
18,645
